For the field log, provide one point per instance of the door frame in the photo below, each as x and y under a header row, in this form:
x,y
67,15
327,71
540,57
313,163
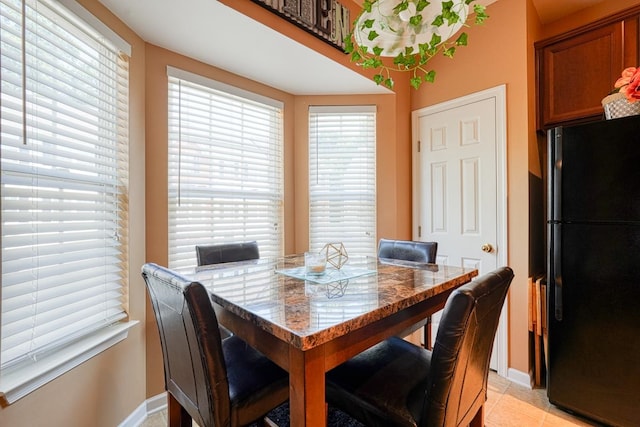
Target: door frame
x,y
498,93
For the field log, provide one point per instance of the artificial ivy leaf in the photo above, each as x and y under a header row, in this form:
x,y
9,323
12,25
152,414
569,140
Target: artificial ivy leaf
x,y
435,40
481,16
372,35
368,23
355,56
408,50
438,21
415,20
367,5
389,83
377,50
468,2
415,82
368,63
462,39
409,61
348,44
403,5
378,78
422,4
430,76
399,59
449,52
427,50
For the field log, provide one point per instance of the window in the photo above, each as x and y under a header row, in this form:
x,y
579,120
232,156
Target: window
x,y
342,178
225,168
64,163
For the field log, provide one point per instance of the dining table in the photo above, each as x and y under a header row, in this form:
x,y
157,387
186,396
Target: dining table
x,y
310,323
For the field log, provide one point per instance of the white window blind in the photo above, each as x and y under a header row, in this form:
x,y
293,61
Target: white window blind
x,y
64,165
225,168
342,178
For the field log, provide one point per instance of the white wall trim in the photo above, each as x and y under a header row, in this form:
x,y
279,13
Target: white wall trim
x,y
18,381
148,407
519,377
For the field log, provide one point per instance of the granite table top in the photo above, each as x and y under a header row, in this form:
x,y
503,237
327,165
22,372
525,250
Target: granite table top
x,y
273,294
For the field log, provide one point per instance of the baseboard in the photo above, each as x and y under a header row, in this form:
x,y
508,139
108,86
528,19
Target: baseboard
x,y
519,377
148,407
156,403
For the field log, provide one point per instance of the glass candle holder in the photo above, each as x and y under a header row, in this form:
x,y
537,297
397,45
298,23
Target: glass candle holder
x,y
315,262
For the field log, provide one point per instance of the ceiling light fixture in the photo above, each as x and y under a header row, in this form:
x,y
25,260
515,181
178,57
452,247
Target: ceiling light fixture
x,y
409,31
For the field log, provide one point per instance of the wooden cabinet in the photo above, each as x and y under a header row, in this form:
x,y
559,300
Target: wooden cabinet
x,y
577,69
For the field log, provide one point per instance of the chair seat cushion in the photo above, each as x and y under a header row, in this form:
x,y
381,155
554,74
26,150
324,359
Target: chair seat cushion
x,y
382,386
255,382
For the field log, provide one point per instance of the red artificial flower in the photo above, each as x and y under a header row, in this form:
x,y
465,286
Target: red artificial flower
x,y
632,90
627,73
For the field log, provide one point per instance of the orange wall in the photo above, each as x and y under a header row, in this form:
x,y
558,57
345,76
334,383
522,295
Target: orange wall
x,y
106,389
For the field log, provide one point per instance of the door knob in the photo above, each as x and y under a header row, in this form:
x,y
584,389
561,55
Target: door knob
x,y
487,248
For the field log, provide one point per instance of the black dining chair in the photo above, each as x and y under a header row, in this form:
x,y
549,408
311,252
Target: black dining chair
x,y
396,383
409,250
227,252
214,382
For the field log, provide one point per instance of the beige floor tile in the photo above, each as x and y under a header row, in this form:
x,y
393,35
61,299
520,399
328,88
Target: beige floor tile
x,y
536,397
511,406
559,418
510,416
159,419
498,383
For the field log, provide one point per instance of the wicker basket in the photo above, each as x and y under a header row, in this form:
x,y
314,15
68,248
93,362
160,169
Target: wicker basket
x,y
616,105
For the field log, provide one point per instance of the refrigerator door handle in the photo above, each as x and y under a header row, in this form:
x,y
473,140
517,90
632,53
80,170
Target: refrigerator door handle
x,y
558,296
557,270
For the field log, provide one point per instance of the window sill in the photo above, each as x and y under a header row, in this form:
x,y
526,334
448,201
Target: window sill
x,y
17,382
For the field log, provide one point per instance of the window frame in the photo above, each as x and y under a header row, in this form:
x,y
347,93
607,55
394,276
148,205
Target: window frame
x,y
361,186
267,160
20,378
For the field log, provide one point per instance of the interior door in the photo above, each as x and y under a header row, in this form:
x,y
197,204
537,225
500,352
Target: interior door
x,y
459,196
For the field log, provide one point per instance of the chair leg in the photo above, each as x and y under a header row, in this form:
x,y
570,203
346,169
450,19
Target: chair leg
x,y
427,334
178,416
478,419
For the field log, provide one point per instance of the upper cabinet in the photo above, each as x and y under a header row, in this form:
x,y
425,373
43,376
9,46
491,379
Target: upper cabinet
x,y
577,69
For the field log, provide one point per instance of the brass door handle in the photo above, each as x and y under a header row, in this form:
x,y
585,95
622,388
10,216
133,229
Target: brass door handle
x,y
487,248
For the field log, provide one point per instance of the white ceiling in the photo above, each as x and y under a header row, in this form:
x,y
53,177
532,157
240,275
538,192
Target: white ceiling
x,y
202,29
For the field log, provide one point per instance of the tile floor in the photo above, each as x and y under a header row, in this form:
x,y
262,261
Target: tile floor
x,y
508,404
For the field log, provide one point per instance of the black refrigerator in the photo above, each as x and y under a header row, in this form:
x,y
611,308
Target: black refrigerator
x,y
593,270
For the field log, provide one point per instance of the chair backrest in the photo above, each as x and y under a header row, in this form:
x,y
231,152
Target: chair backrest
x,y
457,385
408,250
227,252
194,369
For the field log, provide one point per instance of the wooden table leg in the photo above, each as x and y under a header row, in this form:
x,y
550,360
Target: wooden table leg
x,y
306,387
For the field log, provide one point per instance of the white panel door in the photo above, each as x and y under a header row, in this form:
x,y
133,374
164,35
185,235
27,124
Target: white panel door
x,y
458,192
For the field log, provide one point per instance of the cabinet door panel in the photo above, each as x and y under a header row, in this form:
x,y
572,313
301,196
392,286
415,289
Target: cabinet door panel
x,y
578,72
